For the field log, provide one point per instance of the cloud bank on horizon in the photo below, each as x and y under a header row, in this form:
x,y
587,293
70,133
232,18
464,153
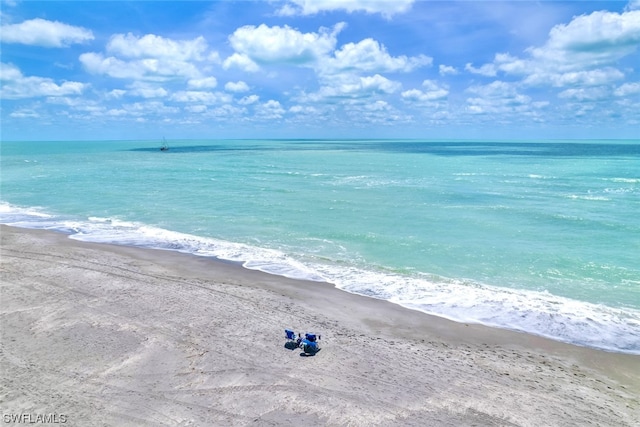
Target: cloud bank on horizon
x,y
320,68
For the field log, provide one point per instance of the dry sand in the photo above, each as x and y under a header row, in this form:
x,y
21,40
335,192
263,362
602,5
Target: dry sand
x,y
107,335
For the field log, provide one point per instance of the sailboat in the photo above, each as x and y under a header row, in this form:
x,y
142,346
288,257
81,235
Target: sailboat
x,y
164,146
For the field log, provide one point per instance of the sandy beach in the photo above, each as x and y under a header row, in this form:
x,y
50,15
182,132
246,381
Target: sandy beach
x,y
103,335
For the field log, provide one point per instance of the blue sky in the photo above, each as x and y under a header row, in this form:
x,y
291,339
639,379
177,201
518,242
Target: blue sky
x,y
320,69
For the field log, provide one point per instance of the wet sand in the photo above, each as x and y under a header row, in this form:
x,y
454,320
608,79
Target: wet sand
x,y
120,336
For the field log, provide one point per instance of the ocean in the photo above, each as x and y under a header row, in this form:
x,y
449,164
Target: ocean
x,y
537,236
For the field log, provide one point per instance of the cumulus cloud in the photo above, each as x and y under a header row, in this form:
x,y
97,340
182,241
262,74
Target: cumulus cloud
x,y
585,94
204,83
153,46
447,69
304,110
584,78
488,70
500,97
149,68
432,93
40,32
147,108
270,110
226,111
241,61
579,55
248,100
145,90
597,39
370,56
352,87
628,89
375,83
264,44
151,57
269,46
116,94
312,7
25,113
496,89
237,87
196,108
15,85
201,97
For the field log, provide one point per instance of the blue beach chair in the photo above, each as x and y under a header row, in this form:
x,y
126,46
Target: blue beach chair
x,y
289,334
309,347
310,344
292,341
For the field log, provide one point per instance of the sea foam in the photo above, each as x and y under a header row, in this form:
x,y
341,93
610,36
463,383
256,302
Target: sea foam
x,y
535,312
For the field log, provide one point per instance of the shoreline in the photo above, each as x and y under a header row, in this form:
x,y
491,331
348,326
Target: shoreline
x,y
124,327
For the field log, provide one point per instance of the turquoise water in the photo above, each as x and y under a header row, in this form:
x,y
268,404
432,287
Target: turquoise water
x,y
542,237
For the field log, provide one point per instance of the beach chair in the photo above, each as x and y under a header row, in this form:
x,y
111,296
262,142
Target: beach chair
x,y
292,340
310,344
309,347
290,335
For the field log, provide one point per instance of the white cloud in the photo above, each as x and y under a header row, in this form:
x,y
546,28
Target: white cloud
x,y
116,94
79,104
592,40
583,78
16,86
248,100
152,46
150,108
236,87
25,113
201,97
204,83
378,106
582,53
311,7
501,97
147,91
375,83
276,44
350,87
40,32
512,65
303,110
496,89
432,93
196,108
378,113
116,112
585,94
488,70
226,112
270,110
153,58
628,89
149,68
240,61
447,69
337,69
368,55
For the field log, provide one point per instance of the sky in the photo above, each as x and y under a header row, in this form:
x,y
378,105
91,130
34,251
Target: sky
x,y
104,70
